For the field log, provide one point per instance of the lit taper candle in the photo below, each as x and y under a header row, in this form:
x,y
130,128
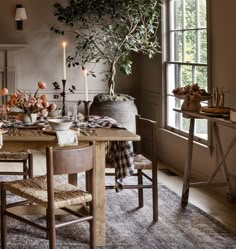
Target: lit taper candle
x,y
64,60
86,84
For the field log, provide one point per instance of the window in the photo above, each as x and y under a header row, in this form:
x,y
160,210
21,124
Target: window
x,y
186,58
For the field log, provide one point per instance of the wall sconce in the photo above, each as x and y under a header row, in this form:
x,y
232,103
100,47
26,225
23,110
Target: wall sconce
x,y
20,16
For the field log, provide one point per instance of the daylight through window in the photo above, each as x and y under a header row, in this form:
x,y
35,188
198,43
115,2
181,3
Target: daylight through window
x,y
186,58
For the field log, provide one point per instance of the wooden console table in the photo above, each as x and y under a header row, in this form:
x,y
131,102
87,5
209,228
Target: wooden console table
x,y
216,121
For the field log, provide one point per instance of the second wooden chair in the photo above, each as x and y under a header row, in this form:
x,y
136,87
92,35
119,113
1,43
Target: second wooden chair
x,y
145,159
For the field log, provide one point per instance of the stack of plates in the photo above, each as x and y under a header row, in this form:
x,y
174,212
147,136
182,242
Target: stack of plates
x,y
216,111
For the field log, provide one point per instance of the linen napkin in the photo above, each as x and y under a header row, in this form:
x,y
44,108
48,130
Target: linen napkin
x,y
67,137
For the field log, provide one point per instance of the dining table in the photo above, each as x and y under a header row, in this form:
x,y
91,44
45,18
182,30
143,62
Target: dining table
x,y
38,139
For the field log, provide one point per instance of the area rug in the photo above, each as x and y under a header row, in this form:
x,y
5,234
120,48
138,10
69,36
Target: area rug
x,y
128,227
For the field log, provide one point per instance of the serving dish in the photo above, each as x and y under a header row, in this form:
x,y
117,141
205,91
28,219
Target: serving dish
x,y
49,130
60,124
220,115
202,98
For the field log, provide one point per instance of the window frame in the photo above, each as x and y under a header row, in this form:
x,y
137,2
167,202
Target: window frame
x,y
167,61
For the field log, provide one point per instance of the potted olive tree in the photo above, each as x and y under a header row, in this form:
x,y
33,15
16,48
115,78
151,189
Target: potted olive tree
x,y
107,31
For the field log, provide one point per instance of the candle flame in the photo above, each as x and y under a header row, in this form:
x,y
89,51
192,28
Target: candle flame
x,y
64,44
85,71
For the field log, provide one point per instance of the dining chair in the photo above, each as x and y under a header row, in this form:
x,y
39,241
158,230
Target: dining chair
x,y
53,193
23,157
145,160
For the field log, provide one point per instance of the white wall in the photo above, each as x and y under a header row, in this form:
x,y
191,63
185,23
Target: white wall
x,y
41,58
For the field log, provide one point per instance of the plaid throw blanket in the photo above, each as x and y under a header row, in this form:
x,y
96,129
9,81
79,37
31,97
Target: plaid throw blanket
x,y
120,153
103,122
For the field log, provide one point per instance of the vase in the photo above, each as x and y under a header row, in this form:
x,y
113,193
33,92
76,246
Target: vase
x,y
122,111
27,118
191,105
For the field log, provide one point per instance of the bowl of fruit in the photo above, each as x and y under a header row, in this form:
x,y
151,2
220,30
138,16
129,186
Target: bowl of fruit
x,y
192,96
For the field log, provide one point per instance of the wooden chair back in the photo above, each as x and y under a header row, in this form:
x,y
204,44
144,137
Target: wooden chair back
x,y
69,161
147,129
65,160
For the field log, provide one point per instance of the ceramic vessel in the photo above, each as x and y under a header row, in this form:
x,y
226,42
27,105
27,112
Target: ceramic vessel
x,y
233,115
27,118
190,104
122,111
59,124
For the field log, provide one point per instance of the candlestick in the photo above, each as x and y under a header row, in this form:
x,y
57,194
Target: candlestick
x,y
86,110
64,60
86,84
63,97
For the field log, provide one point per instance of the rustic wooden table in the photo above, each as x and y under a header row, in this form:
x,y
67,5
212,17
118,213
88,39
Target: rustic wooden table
x,y
38,140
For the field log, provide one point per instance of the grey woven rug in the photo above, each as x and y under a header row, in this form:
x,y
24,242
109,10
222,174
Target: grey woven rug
x,y
129,227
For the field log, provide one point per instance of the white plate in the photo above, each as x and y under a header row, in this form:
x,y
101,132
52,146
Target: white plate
x,y
211,114
49,130
3,131
28,127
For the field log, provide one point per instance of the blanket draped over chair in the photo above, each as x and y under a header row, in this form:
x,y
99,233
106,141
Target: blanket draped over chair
x,y
120,153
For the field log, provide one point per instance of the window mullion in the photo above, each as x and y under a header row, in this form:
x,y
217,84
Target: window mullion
x,y
180,75
197,33
183,34
180,80
171,34
194,74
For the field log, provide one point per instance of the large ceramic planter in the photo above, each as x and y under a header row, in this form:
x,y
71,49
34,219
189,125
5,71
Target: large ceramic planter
x,y
27,118
122,111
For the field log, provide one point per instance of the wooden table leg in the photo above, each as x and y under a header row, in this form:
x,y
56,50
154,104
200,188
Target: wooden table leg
x,y
73,179
100,194
223,156
188,165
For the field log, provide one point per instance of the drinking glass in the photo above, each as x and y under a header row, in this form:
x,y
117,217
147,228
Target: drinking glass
x,y
3,113
72,112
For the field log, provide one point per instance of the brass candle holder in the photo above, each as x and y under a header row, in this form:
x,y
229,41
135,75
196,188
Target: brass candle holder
x,y
63,94
86,110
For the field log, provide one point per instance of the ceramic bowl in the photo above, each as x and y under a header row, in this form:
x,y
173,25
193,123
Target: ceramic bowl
x,y
233,115
60,124
54,114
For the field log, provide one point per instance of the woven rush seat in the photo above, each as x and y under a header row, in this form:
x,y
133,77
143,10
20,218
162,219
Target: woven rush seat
x,y
141,162
6,155
35,190
25,157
